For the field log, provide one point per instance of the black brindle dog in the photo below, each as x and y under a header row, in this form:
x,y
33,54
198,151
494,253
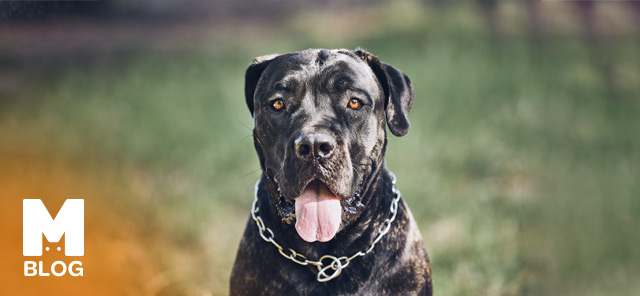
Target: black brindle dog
x,y
329,218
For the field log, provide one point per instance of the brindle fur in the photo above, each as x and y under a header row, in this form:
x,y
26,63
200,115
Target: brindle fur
x,y
316,86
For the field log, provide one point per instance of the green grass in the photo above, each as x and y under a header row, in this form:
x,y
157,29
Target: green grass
x,y
520,167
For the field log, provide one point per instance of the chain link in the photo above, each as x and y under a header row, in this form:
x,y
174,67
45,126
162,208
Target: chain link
x,y
336,264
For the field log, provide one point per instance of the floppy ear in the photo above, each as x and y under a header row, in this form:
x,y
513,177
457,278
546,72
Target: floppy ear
x,y
252,76
400,100
398,92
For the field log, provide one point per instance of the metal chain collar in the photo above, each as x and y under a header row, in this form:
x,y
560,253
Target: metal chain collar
x,y
337,264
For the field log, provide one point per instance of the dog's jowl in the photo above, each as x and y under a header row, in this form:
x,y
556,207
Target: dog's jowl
x,y
327,217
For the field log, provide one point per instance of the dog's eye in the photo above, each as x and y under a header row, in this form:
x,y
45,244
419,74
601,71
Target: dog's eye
x,y
354,104
277,105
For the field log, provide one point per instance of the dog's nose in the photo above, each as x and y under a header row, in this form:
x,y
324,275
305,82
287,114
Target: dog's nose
x,y
314,145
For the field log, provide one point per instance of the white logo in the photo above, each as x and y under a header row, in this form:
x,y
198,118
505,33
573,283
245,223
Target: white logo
x,y
37,221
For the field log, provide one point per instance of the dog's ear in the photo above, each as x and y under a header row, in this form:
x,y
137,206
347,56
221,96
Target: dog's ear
x,y
252,76
398,92
401,97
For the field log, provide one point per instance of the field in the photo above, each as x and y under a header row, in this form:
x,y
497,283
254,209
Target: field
x,y
521,166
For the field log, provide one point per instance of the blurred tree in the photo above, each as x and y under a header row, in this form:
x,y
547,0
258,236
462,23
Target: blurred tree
x,y
635,9
35,10
490,12
587,13
535,23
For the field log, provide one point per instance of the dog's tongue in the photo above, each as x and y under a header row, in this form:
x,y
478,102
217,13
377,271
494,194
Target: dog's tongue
x,y
318,213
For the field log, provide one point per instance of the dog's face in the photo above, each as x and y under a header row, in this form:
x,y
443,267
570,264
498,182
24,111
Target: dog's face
x,y
319,131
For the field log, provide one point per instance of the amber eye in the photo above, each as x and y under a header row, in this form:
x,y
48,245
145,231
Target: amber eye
x,y
354,104
278,105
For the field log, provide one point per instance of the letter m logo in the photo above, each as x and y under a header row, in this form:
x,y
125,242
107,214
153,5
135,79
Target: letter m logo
x,y
37,221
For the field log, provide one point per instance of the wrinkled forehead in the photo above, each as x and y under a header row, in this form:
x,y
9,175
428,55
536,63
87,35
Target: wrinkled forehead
x,y
322,66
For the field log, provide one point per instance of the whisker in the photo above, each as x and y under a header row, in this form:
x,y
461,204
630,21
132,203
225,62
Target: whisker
x,y
249,173
242,123
250,187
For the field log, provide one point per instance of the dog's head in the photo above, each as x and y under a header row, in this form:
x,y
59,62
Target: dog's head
x,y
319,131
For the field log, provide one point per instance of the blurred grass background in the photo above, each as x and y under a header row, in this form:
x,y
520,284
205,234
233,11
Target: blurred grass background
x,y
521,166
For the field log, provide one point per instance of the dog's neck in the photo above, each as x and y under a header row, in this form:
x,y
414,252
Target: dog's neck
x,y
353,237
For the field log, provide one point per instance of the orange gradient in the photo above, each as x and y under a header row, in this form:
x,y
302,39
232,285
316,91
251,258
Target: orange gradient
x,y
115,261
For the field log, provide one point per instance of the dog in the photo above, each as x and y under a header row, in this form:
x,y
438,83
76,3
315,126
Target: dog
x,y
327,218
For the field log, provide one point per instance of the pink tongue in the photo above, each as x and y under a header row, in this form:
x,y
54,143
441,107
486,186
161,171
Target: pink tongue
x,y
318,213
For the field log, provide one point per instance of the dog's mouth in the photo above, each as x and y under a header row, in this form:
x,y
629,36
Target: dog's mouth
x,y
318,211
